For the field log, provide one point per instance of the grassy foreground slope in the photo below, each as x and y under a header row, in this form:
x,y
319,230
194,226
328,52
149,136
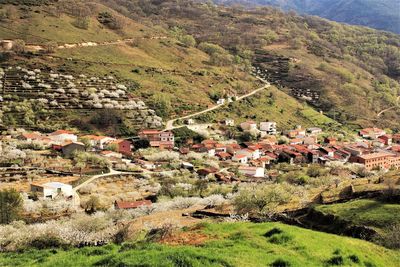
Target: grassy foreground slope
x,y
366,212
226,244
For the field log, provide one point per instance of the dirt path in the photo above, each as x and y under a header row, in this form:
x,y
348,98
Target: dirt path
x,y
387,109
95,177
36,47
170,124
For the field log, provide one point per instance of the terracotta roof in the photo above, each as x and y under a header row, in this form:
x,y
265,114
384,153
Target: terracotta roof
x,y
70,143
240,156
376,155
150,131
209,142
369,130
118,141
224,155
31,135
95,137
58,132
132,205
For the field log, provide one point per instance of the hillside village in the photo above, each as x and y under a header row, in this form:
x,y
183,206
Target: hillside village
x,y
188,133
153,151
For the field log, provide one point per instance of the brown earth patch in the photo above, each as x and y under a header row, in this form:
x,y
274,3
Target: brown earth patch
x,y
185,238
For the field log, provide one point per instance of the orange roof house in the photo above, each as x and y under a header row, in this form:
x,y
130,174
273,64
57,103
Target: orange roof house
x,y
131,205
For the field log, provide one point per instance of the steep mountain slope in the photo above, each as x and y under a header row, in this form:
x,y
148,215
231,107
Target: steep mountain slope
x,y
158,65
336,68
333,67
378,14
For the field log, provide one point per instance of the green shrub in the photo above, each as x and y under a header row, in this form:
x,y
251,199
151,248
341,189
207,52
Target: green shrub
x,y
280,239
44,242
336,260
280,263
273,231
354,258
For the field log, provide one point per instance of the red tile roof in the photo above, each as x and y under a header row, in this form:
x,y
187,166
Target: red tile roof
x,y
132,205
31,135
224,155
150,131
58,132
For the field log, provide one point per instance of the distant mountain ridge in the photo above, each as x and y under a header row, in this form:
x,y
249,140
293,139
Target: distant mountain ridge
x,y
378,14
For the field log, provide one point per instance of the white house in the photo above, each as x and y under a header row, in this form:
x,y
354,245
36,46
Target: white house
x,y
62,136
250,153
241,158
229,122
248,125
269,127
314,130
53,189
99,142
189,121
252,171
221,101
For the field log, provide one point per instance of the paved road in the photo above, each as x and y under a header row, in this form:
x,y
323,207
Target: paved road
x,y
170,124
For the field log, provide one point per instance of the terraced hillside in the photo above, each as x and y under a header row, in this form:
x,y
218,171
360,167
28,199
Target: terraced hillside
x,y
154,63
53,91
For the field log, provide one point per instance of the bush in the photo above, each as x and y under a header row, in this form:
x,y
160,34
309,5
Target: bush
x,y
10,205
354,258
46,242
280,239
108,20
273,231
280,263
81,23
391,237
336,260
263,200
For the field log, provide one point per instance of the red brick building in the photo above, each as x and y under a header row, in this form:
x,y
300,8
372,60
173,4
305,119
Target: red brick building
x,y
122,146
158,138
378,161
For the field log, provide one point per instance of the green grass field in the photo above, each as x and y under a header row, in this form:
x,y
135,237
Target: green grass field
x,y
229,244
367,212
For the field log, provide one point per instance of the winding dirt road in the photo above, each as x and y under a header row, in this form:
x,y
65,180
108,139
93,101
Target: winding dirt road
x,y
95,177
387,109
170,124
36,47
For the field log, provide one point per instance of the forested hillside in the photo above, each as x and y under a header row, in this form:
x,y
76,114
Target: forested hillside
x,y
378,14
185,54
347,66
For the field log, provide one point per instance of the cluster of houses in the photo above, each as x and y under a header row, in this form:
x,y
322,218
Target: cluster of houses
x,y
375,149
68,142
